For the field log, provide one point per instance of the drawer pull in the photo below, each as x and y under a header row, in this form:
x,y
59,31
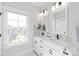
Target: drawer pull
x,y
41,41
35,42
41,54
41,47
50,51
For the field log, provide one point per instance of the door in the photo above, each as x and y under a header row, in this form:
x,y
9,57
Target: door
x,y
0,30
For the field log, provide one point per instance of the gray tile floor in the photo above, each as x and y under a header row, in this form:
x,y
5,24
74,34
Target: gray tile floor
x,y
30,53
27,52
19,50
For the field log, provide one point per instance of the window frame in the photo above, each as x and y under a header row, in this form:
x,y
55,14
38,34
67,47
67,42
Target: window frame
x,y
5,31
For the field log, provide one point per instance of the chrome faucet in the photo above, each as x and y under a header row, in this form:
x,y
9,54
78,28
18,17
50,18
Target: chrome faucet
x,y
64,52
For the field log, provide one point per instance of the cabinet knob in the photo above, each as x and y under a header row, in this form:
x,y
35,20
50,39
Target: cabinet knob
x,y
50,51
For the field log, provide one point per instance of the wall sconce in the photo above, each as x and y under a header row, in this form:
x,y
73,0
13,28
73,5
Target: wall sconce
x,y
53,8
58,4
43,13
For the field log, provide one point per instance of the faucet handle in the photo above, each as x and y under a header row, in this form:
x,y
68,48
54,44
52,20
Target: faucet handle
x,y
64,52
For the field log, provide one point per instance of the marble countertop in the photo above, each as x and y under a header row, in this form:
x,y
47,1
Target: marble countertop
x,y
72,47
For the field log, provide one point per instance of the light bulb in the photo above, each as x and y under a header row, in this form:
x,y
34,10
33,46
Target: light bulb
x,y
63,3
41,13
53,8
57,5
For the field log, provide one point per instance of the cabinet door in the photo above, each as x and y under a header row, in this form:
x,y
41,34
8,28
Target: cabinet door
x,y
0,31
35,44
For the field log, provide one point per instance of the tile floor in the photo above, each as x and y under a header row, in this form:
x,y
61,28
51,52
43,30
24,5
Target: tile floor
x,y
30,53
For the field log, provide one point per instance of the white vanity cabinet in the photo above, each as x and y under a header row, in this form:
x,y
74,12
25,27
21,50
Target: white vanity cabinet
x,y
43,47
37,46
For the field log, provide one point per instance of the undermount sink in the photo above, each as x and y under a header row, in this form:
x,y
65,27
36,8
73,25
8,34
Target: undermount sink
x,y
71,47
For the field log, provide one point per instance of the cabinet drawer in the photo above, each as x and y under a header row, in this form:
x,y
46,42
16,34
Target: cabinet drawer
x,y
52,52
56,47
41,49
42,42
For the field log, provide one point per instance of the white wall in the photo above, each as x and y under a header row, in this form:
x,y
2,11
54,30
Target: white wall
x,y
73,20
1,29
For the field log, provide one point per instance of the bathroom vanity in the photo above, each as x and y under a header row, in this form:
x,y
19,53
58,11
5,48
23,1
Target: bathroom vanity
x,y
44,46
64,24
47,47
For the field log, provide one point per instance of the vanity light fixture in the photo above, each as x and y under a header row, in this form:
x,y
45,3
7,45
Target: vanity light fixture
x,y
44,12
58,4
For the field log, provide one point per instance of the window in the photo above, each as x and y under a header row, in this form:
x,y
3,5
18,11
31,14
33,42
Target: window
x,y
17,27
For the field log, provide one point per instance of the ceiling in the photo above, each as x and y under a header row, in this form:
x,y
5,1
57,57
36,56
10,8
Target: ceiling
x,y
42,5
39,4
